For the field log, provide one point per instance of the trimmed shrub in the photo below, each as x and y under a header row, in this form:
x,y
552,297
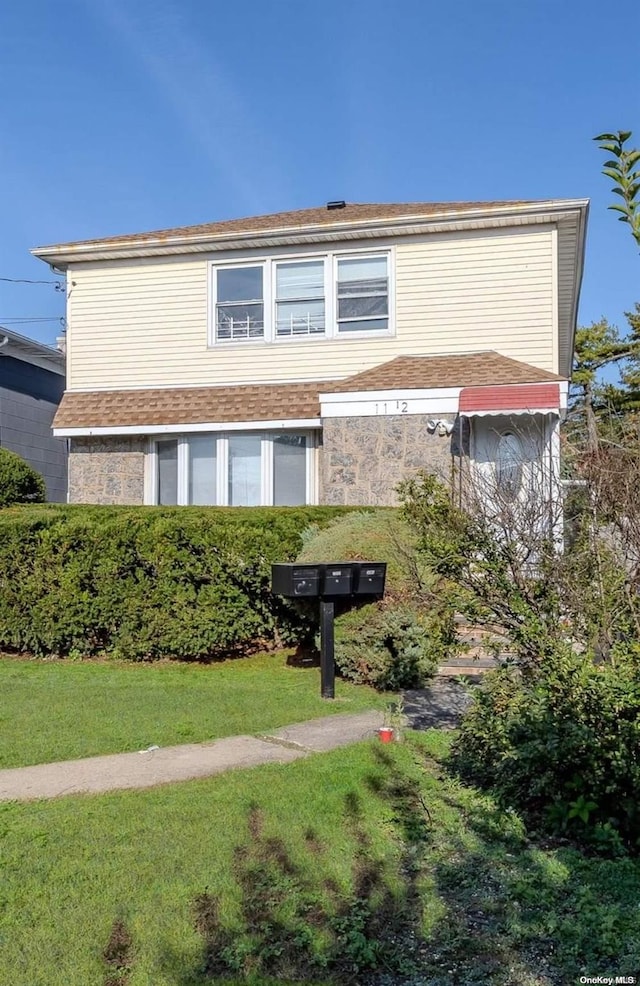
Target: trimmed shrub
x,y
398,642
387,647
373,535
563,746
19,482
143,583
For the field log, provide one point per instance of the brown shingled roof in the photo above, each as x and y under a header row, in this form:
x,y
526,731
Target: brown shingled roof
x,y
285,401
190,405
428,372
353,212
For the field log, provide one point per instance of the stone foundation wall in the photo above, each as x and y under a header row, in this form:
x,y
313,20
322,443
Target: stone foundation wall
x,y
363,459
107,470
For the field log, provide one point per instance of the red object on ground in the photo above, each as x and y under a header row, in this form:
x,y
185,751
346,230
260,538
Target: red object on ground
x,y
386,734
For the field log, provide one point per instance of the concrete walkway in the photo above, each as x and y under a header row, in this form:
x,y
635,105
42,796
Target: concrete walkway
x,y
440,706
180,763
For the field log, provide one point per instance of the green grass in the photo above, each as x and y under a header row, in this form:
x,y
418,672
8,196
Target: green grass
x,y
488,906
59,710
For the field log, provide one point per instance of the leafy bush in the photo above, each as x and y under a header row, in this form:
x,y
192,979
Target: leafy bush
x,y
562,745
387,647
144,583
374,535
19,483
399,642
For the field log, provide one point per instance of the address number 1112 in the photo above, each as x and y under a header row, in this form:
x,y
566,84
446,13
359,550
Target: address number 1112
x,y
392,407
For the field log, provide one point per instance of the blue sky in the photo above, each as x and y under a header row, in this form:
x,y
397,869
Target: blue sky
x,y
129,115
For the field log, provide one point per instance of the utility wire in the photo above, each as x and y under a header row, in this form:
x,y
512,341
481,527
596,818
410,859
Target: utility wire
x,y
22,321
26,280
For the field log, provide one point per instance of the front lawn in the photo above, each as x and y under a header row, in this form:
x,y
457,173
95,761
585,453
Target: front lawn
x,y
450,891
60,710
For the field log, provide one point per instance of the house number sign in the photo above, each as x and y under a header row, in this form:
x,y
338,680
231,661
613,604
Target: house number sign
x,y
392,407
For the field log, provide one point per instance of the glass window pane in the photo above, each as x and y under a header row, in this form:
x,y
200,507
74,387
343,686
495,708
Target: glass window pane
x,y
304,280
240,284
364,325
289,470
509,460
364,269
300,318
167,492
361,307
240,322
245,470
202,470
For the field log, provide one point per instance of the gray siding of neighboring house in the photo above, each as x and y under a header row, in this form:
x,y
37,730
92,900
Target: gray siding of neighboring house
x,y
29,396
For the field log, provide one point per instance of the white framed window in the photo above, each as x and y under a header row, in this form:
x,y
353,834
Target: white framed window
x,y
238,469
299,298
202,487
362,294
166,484
280,299
239,303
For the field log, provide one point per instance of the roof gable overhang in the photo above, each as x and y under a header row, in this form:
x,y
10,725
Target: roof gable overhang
x,y
185,241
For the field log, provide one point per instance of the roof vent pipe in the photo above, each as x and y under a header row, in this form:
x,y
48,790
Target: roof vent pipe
x,y
338,204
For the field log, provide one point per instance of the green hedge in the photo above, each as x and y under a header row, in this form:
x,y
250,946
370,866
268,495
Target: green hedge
x,y
142,583
19,482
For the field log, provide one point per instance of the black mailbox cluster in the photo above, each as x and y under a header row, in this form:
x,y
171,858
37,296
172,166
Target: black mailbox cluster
x,y
351,578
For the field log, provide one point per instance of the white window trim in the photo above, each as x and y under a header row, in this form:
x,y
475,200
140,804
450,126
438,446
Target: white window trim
x,y
272,269
222,466
269,264
213,298
391,307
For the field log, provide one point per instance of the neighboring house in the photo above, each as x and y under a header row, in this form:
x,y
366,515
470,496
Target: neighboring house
x,y
319,356
31,385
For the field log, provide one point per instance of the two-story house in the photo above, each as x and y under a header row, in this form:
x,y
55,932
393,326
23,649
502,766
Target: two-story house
x,y
31,386
319,356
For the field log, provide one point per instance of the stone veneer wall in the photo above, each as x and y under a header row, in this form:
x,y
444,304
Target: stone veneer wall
x,y
107,470
364,458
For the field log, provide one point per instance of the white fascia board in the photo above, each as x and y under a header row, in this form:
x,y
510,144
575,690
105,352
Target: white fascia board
x,y
336,397
372,403
188,429
564,393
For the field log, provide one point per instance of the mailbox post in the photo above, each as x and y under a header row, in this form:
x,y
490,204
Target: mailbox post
x,y
328,582
327,649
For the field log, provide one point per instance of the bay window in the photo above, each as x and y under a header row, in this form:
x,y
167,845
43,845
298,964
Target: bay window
x,y
202,461
167,473
282,299
245,472
238,469
289,470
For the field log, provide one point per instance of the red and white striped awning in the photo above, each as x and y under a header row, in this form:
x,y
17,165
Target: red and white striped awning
x,y
527,398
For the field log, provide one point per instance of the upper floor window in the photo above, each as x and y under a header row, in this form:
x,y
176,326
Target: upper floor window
x,y
323,296
239,303
363,294
300,303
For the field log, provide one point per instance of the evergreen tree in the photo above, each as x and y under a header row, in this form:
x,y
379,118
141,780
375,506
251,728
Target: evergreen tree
x,y
597,346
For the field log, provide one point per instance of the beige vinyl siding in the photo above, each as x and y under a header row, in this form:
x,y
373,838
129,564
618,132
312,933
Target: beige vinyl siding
x,y
462,293
145,322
